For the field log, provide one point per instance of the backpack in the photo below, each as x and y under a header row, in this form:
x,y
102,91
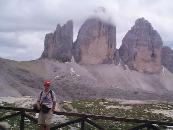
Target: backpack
x,y
50,94
44,108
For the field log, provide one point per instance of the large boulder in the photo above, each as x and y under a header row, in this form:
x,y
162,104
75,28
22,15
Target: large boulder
x,y
141,48
96,43
167,58
58,45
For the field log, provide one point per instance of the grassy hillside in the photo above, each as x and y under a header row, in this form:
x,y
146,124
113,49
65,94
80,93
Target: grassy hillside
x,y
149,110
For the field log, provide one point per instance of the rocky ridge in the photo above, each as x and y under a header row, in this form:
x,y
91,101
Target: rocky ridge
x,y
167,58
141,48
95,74
96,43
58,45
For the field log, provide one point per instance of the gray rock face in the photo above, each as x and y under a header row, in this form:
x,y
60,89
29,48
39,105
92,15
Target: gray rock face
x,y
141,48
167,58
96,43
58,45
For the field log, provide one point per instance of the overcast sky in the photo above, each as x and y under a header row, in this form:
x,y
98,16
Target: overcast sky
x,y
24,23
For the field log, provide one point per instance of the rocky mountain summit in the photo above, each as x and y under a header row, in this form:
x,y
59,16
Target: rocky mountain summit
x,y
100,70
141,48
96,42
58,45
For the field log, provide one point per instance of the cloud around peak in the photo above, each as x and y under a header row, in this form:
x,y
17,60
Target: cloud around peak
x,y
24,23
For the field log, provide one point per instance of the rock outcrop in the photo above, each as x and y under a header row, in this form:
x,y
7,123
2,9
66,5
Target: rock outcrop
x,y
141,48
167,58
96,43
58,45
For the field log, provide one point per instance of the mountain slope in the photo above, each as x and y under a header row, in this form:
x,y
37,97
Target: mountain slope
x,y
83,81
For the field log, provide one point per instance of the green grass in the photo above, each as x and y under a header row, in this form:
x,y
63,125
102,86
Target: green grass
x,y
14,122
101,107
137,111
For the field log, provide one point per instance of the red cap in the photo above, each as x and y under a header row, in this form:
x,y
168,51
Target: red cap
x,y
47,83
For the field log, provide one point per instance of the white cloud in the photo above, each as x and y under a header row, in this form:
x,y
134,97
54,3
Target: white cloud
x,y
24,23
21,45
